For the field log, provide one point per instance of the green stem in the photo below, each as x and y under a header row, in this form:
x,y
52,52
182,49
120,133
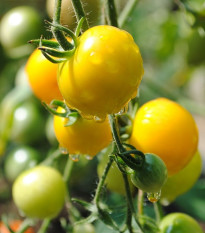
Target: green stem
x,y
68,169
44,225
115,133
72,211
158,211
79,12
111,13
140,202
102,181
128,9
120,148
56,20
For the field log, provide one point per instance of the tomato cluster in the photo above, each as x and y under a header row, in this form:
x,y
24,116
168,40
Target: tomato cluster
x,y
93,94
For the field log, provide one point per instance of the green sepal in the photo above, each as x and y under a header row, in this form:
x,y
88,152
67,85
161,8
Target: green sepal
x,y
64,29
79,26
46,43
57,53
53,110
73,117
53,60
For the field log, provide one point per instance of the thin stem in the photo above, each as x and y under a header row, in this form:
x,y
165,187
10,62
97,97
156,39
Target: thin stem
x,y
128,9
79,12
56,20
115,133
68,169
111,13
158,211
140,203
102,181
72,211
120,148
44,225
130,206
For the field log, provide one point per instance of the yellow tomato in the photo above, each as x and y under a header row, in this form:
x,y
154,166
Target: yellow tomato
x,y
182,181
168,130
86,137
104,73
42,76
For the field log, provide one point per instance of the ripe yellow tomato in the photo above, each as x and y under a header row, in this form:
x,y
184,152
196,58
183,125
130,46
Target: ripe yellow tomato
x,y
42,76
103,74
182,181
165,128
86,137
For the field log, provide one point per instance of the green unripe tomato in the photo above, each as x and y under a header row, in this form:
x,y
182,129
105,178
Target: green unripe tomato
x,y
151,176
179,223
182,181
17,27
19,159
27,123
39,192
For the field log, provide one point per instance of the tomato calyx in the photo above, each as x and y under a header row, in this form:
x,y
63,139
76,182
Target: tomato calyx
x,y
57,52
71,114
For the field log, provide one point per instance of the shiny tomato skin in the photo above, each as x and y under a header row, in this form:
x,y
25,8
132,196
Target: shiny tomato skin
x,y
39,192
86,137
165,128
42,77
19,25
103,74
19,159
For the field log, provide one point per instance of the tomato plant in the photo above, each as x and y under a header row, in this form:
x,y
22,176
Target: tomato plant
x,y
165,128
86,137
39,192
93,80
179,223
183,180
151,176
19,159
14,225
17,27
42,77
